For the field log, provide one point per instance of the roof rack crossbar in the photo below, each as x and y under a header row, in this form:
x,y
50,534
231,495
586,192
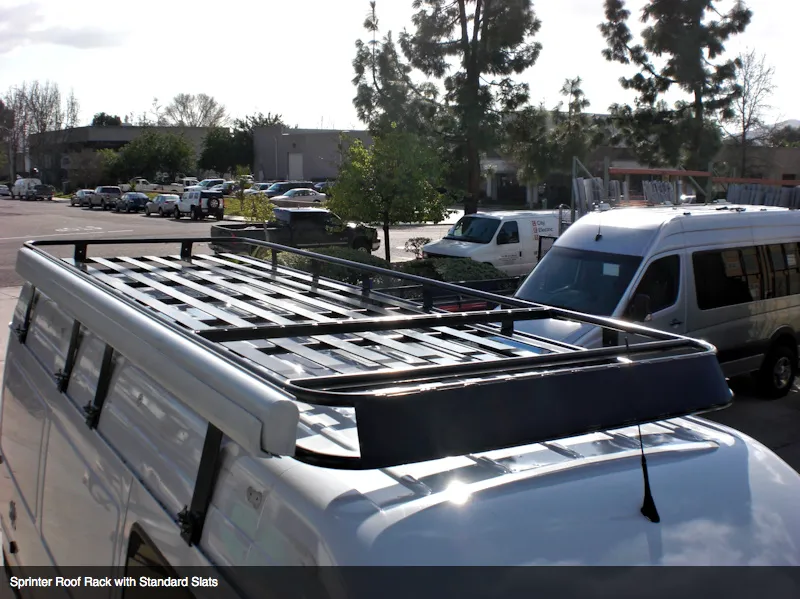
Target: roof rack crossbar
x,y
384,323
437,385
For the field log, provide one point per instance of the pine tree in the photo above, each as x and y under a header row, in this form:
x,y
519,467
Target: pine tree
x,y
474,48
687,37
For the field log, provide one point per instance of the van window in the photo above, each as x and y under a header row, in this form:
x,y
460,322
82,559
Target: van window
x,y
727,277
580,280
476,229
49,335
144,559
509,233
661,283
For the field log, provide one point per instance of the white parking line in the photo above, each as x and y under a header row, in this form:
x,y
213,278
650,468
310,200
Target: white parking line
x,y
63,234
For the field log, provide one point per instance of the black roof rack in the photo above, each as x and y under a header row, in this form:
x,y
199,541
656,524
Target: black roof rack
x,y
423,383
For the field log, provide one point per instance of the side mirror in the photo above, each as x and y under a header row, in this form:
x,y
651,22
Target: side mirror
x,y
639,308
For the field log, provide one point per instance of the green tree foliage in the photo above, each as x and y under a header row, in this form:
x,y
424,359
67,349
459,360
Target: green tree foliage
x,y
218,154
575,133
688,38
101,119
530,145
784,137
150,153
475,48
395,180
242,135
110,165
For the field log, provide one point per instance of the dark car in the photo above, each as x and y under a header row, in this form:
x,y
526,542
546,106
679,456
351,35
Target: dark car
x,y
306,228
281,187
43,192
131,202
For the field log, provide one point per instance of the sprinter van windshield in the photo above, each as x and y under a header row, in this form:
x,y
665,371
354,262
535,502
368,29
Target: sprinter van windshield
x,y
591,282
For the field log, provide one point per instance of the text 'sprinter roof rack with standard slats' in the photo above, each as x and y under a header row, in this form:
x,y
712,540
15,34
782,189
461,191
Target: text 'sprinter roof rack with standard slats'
x,y
422,383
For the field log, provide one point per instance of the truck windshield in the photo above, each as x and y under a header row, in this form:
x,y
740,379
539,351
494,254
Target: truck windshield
x,y
475,229
580,280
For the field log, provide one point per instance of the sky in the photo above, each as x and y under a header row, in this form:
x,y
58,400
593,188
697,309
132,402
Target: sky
x,y
294,58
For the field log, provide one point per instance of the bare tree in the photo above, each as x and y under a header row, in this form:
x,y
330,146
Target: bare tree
x,y
754,77
199,110
72,112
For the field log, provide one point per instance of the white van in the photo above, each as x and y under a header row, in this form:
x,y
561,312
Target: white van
x,y
219,410
25,188
727,274
508,240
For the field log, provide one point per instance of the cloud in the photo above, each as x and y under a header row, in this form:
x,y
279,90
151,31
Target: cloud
x,y
20,26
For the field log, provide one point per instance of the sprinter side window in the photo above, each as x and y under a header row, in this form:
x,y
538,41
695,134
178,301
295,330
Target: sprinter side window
x,y
782,261
509,233
661,283
726,277
144,559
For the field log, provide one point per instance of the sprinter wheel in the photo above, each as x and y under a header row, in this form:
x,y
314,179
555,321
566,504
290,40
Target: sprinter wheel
x,y
778,372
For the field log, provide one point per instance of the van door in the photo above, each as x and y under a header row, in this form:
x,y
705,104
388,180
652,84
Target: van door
x,y
509,248
662,289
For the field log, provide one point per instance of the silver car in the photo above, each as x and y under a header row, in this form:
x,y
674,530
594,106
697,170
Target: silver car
x,y
162,205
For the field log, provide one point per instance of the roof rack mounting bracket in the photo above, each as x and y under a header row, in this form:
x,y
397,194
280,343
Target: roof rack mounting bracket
x,y
186,251
191,519
81,249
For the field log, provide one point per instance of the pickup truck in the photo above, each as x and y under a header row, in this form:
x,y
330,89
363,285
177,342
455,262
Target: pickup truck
x,y
305,228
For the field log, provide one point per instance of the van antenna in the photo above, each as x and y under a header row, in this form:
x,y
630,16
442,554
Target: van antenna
x,y
599,235
648,509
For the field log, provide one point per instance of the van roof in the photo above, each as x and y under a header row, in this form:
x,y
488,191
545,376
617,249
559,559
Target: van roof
x,y
505,214
633,231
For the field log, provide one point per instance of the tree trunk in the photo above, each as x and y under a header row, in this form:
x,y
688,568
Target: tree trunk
x,y
387,249
744,154
697,158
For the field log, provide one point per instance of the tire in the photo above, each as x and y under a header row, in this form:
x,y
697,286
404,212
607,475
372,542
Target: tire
x,y
213,204
103,205
362,246
177,214
117,208
220,215
161,212
776,376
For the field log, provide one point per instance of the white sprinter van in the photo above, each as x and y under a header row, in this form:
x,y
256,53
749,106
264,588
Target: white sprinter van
x,y
508,240
729,275
193,413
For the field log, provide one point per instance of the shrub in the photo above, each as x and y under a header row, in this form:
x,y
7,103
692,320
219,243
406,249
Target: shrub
x,y
258,208
327,270
414,245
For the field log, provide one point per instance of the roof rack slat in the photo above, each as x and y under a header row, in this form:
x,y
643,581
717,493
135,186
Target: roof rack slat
x,y
153,303
174,293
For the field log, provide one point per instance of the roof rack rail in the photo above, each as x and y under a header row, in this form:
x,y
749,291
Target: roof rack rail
x,y
423,383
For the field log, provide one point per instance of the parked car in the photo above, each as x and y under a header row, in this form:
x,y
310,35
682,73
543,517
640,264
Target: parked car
x,y
281,187
301,194
105,197
133,201
5,191
198,204
162,205
82,197
301,228
227,188
257,188
206,184
138,184
510,241
322,187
